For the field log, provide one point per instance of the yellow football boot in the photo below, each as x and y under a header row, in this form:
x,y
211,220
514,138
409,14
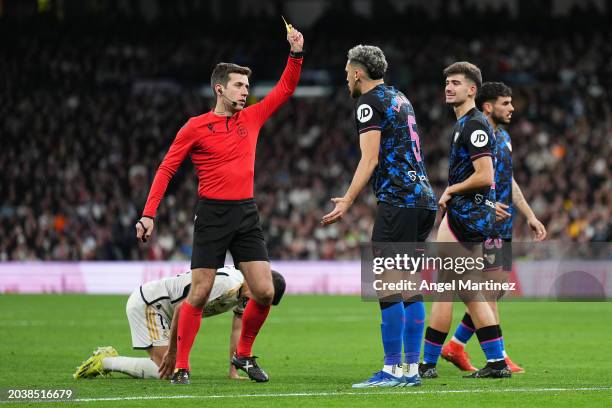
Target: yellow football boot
x,y
92,367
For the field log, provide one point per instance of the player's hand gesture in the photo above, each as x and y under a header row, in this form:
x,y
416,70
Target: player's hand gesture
x,y
167,364
500,211
342,206
144,229
296,40
444,199
538,229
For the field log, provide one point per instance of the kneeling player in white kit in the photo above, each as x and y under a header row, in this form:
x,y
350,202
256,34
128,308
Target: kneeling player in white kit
x,y
152,312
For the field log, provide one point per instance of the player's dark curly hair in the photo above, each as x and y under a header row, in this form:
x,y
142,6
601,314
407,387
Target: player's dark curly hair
x,y
490,91
279,287
469,70
220,74
370,58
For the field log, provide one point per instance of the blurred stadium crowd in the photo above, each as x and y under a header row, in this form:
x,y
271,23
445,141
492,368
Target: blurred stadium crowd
x,y
88,110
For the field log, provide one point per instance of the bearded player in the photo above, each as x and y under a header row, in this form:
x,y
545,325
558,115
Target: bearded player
x,y
221,145
391,156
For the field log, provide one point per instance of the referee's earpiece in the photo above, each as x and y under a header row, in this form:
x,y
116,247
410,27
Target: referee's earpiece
x,y
220,91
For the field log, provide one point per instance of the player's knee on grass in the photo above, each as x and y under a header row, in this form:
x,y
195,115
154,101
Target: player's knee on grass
x,y
156,354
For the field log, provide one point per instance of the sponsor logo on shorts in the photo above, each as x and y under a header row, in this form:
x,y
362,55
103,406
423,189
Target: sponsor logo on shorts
x,y
412,175
479,199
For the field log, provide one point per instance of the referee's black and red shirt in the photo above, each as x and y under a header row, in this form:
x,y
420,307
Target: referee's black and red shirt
x,y
222,148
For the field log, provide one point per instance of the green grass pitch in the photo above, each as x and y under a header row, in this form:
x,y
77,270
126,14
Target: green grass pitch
x,y
313,348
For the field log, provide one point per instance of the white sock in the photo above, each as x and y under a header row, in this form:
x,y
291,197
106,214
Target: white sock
x,y
132,366
394,369
456,341
413,369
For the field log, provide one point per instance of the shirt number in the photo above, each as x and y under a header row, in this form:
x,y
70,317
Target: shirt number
x,y
414,136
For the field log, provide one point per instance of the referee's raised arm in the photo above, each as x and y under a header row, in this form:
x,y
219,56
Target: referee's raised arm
x,y
287,83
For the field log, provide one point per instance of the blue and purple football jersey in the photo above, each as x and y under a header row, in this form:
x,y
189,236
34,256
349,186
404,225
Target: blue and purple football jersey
x,y
400,178
472,138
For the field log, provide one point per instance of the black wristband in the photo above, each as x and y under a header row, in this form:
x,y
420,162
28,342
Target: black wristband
x,y
148,216
294,54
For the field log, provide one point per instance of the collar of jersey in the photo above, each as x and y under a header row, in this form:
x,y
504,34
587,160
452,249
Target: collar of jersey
x,y
467,114
217,116
373,89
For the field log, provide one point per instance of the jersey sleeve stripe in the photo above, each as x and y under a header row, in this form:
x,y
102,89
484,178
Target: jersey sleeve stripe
x,y
366,129
476,156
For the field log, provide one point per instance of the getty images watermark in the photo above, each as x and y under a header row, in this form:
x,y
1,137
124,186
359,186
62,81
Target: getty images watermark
x,y
486,271
407,264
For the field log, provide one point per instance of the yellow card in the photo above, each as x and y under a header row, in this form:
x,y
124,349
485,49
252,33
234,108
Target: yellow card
x,y
289,27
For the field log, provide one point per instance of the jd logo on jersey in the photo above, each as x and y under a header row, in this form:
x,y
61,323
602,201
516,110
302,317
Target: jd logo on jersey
x,y
479,138
364,113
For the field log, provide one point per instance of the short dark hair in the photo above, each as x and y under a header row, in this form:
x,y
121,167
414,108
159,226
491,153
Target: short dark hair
x,y
220,74
279,287
471,72
490,91
370,58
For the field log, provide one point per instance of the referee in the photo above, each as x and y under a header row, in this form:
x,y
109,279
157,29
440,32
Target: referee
x,y
221,145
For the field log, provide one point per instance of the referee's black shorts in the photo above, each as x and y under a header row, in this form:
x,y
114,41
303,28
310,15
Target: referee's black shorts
x,y
222,225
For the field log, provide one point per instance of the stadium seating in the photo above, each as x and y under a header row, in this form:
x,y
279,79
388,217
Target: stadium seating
x,y
89,110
